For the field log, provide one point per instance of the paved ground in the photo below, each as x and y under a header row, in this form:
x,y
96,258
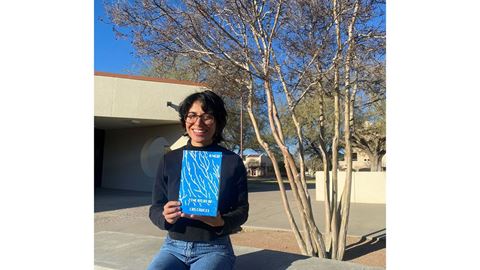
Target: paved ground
x,y
266,211
126,239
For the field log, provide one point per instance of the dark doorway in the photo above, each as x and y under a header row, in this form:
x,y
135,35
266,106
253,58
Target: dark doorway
x,y
99,138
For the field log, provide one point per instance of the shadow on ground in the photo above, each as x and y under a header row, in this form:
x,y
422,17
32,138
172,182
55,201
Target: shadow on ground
x,y
266,260
114,199
366,245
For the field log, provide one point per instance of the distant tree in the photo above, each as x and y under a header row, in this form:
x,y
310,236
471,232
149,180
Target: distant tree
x,y
177,67
369,127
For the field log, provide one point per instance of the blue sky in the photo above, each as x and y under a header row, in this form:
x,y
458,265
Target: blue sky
x,y
110,53
115,55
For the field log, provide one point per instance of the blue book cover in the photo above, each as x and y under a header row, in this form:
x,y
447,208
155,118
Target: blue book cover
x,y
200,182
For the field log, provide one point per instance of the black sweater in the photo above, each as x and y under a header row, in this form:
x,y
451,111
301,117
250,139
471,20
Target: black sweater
x,y
232,201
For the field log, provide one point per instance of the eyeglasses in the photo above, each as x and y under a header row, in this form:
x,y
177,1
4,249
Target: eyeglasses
x,y
207,118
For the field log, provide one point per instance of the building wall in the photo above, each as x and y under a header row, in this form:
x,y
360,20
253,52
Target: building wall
x,y
367,187
132,155
362,162
136,124
258,165
131,98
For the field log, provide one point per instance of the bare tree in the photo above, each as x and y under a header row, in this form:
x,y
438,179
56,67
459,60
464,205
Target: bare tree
x,y
253,44
335,35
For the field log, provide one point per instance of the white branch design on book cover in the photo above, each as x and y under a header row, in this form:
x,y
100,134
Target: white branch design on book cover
x,y
200,182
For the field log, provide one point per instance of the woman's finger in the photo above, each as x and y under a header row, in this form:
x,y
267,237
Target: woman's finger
x,y
171,210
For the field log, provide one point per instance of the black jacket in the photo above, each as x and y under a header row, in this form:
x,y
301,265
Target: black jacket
x,y
232,201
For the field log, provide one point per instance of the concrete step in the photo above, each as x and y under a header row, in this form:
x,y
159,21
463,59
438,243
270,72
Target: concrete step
x,y
128,251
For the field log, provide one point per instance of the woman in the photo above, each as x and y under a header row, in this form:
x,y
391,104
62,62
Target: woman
x,y
193,241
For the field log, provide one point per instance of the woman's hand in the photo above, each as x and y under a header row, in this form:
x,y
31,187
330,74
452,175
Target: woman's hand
x,y
212,221
171,211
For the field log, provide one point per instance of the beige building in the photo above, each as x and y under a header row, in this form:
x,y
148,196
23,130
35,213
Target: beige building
x,y
360,161
136,122
258,165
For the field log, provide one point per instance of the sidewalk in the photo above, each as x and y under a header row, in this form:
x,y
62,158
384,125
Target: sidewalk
x,y
126,239
266,211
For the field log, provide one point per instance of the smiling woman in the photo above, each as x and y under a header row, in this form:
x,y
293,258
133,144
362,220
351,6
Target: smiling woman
x,y
214,193
200,132
210,109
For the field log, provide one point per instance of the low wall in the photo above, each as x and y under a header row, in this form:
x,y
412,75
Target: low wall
x,y
367,187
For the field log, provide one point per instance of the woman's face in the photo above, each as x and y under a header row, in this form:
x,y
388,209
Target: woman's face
x,y
200,126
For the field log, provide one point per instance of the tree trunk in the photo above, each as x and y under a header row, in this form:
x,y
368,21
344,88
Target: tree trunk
x,y
336,90
334,222
290,166
375,162
278,176
319,247
326,177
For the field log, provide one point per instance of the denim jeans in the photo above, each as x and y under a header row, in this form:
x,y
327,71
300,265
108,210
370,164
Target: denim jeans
x,y
176,254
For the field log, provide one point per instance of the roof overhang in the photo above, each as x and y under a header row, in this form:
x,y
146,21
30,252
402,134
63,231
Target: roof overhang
x,y
124,101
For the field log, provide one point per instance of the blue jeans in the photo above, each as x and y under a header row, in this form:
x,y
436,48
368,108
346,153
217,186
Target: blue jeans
x,y
176,254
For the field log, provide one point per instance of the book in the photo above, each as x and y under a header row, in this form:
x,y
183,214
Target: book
x,y
200,182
